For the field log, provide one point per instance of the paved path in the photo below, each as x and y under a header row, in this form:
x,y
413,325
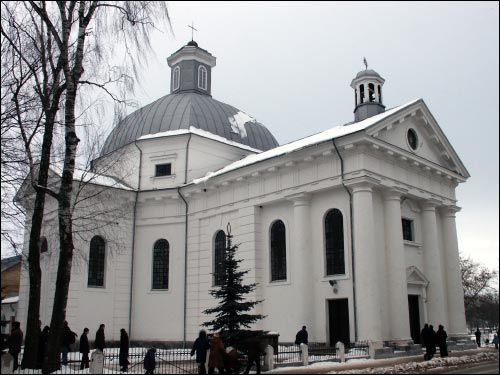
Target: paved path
x,y
483,368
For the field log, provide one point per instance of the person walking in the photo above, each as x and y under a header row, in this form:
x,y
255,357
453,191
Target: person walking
x,y
14,342
254,351
42,345
423,334
216,357
150,361
100,339
84,349
478,337
200,347
495,341
124,346
68,338
430,343
441,341
302,336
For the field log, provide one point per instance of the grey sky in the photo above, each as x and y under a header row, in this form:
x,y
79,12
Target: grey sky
x,y
289,65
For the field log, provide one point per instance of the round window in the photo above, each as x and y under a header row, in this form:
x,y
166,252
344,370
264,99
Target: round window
x,y
412,139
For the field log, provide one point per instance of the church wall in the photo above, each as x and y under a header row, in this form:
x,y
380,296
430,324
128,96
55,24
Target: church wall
x,y
122,164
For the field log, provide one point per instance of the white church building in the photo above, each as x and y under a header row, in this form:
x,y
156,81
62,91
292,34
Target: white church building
x,y
350,232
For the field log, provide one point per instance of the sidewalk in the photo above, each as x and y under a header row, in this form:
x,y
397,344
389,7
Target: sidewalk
x,y
358,364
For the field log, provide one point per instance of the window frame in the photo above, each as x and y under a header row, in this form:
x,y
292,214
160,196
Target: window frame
x,y
167,264
176,78
412,228
163,165
283,253
216,278
414,134
103,286
326,243
202,77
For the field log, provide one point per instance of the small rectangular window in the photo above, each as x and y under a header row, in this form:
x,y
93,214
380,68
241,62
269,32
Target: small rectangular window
x,y
407,230
163,170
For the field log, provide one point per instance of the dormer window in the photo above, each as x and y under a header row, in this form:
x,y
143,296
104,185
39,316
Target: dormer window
x,y
202,77
176,78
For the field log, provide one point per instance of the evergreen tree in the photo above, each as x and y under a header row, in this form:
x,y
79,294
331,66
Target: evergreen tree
x,y
232,311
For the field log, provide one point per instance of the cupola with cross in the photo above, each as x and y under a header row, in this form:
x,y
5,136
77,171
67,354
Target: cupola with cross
x,y
191,69
367,87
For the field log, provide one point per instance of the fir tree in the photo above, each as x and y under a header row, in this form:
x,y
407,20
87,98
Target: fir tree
x,y
232,311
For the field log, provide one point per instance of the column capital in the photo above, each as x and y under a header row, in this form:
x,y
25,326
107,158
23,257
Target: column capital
x,y
450,211
394,193
300,199
364,183
430,204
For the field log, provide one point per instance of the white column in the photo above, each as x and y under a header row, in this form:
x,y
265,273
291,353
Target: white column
x,y
436,298
456,309
396,267
302,274
365,263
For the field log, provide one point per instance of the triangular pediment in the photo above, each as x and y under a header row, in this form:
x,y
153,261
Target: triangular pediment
x,y
415,276
431,143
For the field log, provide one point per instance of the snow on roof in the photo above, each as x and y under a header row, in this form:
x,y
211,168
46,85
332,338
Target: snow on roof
x,y
202,133
238,122
335,132
11,300
92,178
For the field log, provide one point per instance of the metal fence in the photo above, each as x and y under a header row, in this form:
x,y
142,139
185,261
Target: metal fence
x,y
168,361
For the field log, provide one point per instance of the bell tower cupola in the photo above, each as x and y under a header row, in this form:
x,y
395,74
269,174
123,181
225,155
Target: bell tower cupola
x,y
367,87
191,70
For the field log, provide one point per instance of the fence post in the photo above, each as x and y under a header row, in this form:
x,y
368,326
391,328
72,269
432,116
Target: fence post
x,y
7,363
341,350
371,349
269,358
96,362
305,354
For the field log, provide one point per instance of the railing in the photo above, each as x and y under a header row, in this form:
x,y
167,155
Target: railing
x,y
357,349
290,353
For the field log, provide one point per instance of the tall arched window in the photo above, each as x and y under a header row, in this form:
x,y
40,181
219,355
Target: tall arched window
x,y
97,261
160,264
176,78
361,94
278,251
371,92
43,245
219,254
202,77
334,243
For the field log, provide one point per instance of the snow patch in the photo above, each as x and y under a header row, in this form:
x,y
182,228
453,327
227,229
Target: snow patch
x,y
238,122
11,300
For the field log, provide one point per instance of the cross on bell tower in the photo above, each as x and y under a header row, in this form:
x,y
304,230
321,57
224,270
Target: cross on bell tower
x,y
192,30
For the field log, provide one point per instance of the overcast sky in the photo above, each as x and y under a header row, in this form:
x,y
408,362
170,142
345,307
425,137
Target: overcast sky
x,y
289,65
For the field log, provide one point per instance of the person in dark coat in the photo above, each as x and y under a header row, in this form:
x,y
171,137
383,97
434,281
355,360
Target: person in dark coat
x,y
14,342
150,361
478,337
430,343
255,348
100,340
441,341
200,347
423,334
301,337
124,345
69,337
42,345
84,349
217,353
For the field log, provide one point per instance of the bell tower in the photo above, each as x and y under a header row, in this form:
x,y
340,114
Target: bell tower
x,y
367,87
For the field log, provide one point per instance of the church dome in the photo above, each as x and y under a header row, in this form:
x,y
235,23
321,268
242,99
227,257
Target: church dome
x,y
366,73
186,109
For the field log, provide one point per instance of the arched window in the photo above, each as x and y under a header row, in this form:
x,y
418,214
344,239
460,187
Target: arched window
x,y
371,92
176,78
160,264
334,243
202,77
219,255
278,251
379,94
361,94
43,245
97,261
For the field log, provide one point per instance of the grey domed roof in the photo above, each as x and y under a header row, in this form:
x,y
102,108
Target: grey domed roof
x,y
180,111
367,72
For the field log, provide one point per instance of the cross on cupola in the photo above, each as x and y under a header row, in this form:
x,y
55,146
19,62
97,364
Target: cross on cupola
x,y
192,30
367,87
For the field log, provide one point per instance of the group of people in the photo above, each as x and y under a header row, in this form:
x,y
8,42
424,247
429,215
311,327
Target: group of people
x,y
431,338
495,340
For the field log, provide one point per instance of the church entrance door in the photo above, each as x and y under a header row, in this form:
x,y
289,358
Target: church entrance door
x,y
338,321
414,317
